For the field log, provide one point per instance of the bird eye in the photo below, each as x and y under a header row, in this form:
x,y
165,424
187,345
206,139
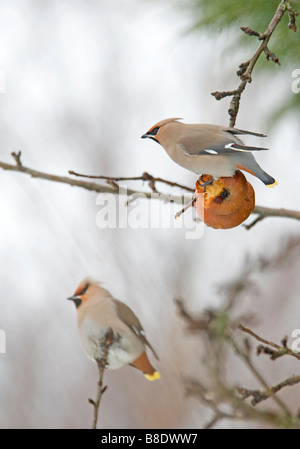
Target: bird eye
x,y
154,131
83,291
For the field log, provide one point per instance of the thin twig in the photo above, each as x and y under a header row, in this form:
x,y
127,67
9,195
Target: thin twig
x,y
186,207
254,222
272,56
292,17
208,322
219,331
280,350
247,359
236,408
220,95
250,32
259,396
264,212
91,186
115,189
194,324
246,68
101,367
17,158
145,177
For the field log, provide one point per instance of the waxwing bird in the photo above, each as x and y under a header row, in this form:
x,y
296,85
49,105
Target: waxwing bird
x,y
208,149
97,314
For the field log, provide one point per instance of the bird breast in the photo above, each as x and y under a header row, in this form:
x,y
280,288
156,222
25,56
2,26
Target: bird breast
x,y
93,328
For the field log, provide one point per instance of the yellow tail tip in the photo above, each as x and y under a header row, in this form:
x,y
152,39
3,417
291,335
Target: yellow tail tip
x,y
273,185
154,376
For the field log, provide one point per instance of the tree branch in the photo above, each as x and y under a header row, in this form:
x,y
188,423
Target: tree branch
x,y
17,158
91,186
246,68
220,338
221,398
237,408
145,177
259,396
209,322
276,352
264,212
114,188
101,367
246,357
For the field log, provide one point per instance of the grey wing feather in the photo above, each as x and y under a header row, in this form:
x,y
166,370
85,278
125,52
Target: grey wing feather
x,y
242,131
211,139
197,142
232,148
131,320
192,149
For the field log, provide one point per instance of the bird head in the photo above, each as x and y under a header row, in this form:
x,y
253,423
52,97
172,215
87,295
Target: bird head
x,y
81,293
88,289
160,131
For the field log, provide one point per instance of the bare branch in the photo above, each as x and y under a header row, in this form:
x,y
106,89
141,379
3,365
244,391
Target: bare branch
x,y
272,56
186,207
292,17
17,158
101,367
220,337
194,324
246,357
250,32
91,186
114,188
236,408
254,222
246,68
145,177
259,396
264,212
220,95
278,351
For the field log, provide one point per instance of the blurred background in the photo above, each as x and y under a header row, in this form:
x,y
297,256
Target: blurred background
x,y
83,81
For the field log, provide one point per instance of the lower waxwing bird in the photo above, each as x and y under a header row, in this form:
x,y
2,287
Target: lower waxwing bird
x,y
98,313
208,149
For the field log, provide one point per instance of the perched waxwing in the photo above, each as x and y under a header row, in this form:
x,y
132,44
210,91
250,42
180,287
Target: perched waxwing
x,y
98,313
208,149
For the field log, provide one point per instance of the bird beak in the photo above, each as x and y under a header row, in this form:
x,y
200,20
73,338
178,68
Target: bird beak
x,y
76,299
150,136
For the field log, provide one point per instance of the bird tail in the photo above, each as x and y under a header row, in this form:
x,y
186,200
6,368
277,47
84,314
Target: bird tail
x,y
275,183
155,376
254,169
144,365
268,180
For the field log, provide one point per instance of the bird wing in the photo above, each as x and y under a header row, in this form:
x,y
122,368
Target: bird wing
x,y
242,131
131,320
191,147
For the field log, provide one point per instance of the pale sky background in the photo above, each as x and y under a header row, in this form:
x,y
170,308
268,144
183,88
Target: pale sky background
x,y
84,80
